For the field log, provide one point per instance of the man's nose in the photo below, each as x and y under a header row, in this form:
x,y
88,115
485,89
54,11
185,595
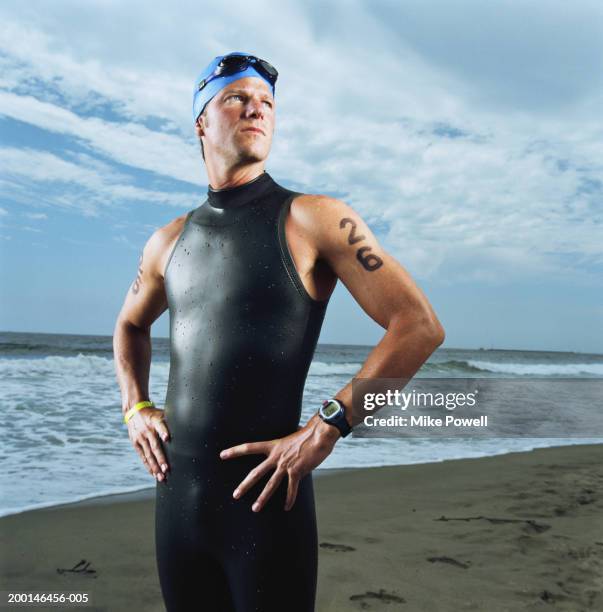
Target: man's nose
x,y
254,108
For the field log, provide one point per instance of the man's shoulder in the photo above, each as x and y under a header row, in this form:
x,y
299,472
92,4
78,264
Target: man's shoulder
x,y
312,213
161,242
317,206
315,199
163,236
329,224
167,232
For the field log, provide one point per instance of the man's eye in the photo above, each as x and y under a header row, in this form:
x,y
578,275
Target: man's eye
x,y
268,103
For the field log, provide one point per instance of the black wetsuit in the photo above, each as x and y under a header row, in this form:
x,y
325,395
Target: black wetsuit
x,y
243,331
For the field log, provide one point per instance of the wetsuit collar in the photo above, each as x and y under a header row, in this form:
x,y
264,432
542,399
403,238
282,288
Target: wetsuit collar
x,y
232,197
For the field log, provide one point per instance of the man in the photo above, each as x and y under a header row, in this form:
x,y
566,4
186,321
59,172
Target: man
x,y
247,277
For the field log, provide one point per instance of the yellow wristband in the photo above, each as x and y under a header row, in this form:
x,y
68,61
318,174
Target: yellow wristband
x,y
136,408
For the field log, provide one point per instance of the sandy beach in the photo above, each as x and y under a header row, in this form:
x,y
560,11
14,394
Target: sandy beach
x,y
522,531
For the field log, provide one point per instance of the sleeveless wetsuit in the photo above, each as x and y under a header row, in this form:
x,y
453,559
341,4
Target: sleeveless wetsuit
x,y
243,331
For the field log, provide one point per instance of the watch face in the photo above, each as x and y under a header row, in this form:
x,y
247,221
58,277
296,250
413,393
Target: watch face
x,y
330,409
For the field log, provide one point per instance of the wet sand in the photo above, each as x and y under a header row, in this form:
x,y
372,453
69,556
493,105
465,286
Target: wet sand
x,y
522,531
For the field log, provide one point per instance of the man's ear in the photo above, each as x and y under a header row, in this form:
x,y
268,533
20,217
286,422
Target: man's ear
x,y
199,127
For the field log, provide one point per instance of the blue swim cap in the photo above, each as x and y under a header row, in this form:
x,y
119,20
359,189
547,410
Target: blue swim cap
x,y
201,98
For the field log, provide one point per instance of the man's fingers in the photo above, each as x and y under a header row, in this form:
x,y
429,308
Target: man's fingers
x,y
162,429
146,429
252,478
249,448
140,452
148,453
158,452
291,491
269,489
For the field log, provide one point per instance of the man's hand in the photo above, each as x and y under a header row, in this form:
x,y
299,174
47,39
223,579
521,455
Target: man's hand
x,y
294,455
143,429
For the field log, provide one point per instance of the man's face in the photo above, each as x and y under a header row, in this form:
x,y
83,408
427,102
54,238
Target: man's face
x,y
238,122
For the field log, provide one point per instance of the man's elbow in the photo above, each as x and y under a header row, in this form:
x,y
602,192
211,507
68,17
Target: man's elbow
x,y
424,324
437,333
432,331
125,325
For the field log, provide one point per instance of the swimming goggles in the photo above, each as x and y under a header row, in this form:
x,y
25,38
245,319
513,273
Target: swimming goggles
x,y
232,64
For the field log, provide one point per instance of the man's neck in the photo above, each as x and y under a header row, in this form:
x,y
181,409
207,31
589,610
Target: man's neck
x,y
228,177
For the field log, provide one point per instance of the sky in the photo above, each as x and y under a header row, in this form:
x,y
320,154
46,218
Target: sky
x,y
467,134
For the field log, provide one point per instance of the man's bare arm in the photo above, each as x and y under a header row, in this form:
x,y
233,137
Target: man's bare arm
x,y
379,283
387,294
144,303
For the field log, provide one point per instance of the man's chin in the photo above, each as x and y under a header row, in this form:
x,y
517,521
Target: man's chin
x,y
252,154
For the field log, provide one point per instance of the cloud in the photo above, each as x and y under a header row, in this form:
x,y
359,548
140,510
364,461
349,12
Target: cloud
x,y
468,133
126,143
84,186
538,57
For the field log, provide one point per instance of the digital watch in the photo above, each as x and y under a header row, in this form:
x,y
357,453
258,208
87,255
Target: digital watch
x,y
332,412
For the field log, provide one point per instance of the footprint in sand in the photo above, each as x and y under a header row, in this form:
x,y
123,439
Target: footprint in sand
x,y
586,497
530,524
381,596
551,597
585,552
83,567
529,544
534,527
336,547
448,560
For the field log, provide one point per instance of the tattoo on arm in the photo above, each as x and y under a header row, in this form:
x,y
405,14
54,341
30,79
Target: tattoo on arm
x,y
369,261
138,281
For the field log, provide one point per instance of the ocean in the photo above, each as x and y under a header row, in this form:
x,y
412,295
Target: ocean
x,y
64,439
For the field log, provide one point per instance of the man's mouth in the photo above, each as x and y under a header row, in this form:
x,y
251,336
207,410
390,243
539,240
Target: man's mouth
x,y
254,130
